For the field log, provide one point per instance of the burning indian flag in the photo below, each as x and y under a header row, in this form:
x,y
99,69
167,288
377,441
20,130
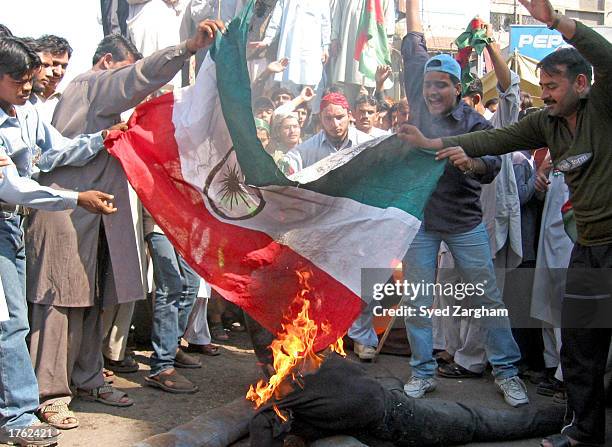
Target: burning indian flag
x,y
196,163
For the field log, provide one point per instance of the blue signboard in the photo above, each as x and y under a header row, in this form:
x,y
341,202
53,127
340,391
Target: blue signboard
x,y
534,41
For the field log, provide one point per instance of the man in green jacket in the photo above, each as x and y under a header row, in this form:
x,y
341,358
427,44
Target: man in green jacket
x,y
577,127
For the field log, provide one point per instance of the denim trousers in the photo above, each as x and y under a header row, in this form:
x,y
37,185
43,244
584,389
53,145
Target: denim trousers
x,y
472,257
18,386
362,330
176,289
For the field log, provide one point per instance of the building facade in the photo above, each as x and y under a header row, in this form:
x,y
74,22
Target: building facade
x,y
591,12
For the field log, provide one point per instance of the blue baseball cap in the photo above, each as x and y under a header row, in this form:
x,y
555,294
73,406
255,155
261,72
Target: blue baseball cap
x,y
444,63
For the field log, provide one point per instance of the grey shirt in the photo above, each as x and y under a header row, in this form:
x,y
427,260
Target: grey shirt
x,y
92,101
95,99
525,174
35,146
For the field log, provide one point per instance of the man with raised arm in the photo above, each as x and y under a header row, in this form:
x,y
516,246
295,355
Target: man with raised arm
x,y
576,126
453,215
95,261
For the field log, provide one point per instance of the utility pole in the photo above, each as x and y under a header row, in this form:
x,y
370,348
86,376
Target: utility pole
x,y
515,18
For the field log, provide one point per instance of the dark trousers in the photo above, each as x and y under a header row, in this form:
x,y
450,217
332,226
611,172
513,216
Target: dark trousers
x,y
434,422
585,336
114,16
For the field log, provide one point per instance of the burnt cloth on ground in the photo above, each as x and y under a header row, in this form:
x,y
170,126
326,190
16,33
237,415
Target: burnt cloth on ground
x,y
340,398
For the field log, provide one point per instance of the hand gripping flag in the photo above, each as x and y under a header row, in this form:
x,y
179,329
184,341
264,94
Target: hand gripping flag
x,y
195,161
474,38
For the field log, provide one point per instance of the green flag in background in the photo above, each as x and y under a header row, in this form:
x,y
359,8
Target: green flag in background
x,y
371,49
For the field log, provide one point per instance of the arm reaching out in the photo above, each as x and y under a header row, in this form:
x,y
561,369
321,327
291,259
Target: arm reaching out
x,y
543,11
502,72
96,202
413,136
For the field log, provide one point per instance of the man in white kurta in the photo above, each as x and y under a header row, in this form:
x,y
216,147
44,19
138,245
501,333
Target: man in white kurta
x,y
155,24
304,32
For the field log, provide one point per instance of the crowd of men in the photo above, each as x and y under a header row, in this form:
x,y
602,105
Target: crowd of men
x,y
511,168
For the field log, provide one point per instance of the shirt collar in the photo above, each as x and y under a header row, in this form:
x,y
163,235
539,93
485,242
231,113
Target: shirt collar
x,y
55,95
351,138
21,114
4,116
459,111
34,98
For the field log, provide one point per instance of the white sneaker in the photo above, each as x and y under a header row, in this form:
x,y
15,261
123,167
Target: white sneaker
x,y
514,391
364,352
417,387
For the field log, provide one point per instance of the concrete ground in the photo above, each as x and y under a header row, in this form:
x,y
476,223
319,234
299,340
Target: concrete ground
x,y
226,377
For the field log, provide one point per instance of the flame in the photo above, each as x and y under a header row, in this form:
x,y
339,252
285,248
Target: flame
x,y
293,351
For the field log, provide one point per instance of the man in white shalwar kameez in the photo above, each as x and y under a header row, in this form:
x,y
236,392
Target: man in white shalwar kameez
x,y
304,32
155,24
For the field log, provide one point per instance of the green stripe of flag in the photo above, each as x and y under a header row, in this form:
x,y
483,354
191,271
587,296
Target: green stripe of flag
x,y
387,175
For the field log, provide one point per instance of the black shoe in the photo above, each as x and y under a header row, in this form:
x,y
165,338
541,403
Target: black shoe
x,y
455,371
549,387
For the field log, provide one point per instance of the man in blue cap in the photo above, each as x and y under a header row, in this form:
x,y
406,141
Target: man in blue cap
x,y
453,215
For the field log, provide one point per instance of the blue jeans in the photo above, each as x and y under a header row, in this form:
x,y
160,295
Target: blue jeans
x,y
362,331
176,289
473,260
18,386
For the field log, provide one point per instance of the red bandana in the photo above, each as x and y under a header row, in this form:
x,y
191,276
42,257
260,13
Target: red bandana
x,y
336,99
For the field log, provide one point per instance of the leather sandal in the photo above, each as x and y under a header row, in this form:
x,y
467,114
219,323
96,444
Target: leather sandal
x,y
217,332
208,349
455,371
172,382
443,358
58,415
125,366
184,360
114,396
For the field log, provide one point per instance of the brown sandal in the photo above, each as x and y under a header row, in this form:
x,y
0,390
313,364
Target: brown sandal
x,y
56,415
113,397
125,366
208,349
217,332
172,383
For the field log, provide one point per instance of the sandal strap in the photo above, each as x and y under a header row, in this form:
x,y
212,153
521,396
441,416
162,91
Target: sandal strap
x,y
102,390
175,380
61,411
